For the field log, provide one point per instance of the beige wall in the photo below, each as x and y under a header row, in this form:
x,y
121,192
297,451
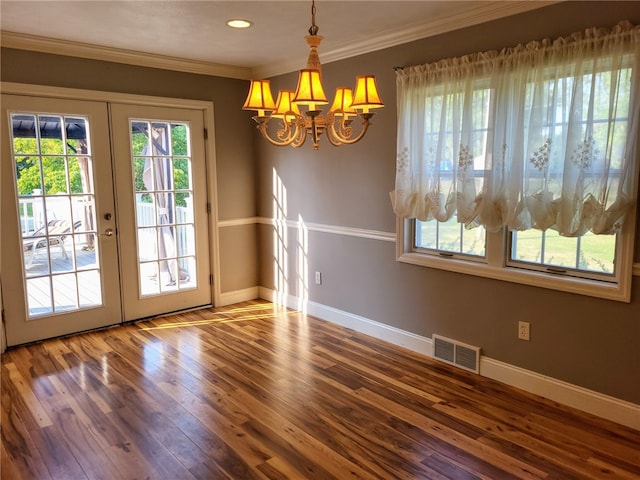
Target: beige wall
x,y
586,341
233,134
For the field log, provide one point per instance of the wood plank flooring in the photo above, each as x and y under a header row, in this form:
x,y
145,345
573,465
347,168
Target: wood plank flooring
x,y
252,391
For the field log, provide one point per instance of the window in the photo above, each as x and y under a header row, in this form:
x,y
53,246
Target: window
x,y
449,238
588,256
522,165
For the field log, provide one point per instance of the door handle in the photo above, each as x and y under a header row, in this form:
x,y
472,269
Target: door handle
x,y
107,233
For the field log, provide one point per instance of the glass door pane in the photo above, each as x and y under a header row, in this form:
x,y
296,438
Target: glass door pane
x,y
54,184
161,163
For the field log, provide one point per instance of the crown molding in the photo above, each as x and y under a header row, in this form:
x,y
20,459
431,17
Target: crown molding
x,y
480,13
130,57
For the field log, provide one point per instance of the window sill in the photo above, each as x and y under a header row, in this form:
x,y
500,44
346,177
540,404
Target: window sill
x,y
611,291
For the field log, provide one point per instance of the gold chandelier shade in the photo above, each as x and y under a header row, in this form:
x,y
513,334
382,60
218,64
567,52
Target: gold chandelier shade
x,y
342,103
310,91
285,108
259,97
366,94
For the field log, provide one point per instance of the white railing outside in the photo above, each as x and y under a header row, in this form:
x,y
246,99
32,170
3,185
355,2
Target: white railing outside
x,y
32,211
32,216
146,217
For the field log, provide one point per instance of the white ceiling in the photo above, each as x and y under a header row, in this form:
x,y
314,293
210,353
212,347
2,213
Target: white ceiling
x,y
196,33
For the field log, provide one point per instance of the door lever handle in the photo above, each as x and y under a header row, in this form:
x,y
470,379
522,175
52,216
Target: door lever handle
x,y
107,233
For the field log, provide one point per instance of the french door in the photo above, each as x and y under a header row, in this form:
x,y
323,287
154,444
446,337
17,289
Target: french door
x,y
162,209
98,228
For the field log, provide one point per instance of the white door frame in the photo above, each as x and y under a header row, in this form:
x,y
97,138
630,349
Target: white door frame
x,y
114,97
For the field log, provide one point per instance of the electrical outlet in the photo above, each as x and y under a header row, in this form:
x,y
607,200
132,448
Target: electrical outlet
x,y
524,331
318,278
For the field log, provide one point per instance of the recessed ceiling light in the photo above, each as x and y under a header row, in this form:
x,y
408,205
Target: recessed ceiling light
x,y
239,23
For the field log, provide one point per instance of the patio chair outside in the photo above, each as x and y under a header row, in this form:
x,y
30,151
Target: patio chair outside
x,y
53,235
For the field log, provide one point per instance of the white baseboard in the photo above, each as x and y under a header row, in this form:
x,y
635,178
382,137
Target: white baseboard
x,y
379,330
237,296
605,406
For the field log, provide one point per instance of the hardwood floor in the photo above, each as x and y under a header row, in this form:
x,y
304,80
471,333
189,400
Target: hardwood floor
x,y
251,391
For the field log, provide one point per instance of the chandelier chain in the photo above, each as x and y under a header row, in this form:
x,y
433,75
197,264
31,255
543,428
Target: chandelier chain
x,y
313,29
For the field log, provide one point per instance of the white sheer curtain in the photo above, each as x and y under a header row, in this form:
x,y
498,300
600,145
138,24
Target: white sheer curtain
x,y
541,136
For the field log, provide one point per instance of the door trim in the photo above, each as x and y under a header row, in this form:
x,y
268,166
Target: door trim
x,y
210,152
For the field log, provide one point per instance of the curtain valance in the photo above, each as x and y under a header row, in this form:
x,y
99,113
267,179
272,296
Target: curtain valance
x,y
541,135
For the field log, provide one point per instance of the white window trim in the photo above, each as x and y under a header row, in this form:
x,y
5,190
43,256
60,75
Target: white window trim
x,y
494,265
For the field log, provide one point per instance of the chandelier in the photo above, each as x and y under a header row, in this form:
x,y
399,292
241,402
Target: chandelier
x,y
295,123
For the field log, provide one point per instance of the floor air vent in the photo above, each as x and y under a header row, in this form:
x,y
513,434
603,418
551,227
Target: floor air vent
x,y
456,353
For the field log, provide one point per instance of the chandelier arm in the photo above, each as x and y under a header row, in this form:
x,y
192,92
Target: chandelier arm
x,y
344,130
332,139
300,139
337,138
286,135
